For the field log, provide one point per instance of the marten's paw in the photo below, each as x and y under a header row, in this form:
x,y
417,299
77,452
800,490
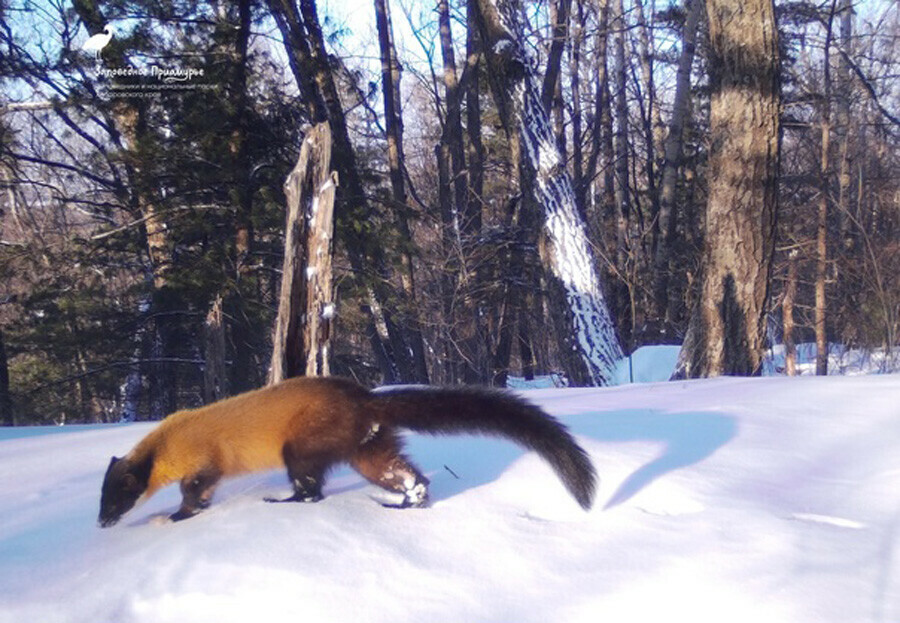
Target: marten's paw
x,y
414,497
308,499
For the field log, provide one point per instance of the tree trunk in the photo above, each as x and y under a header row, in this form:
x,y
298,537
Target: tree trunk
x,y
390,88
673,155
845,88
242,197
305,48
452,135
452,178
305,305
651,119
245,373
131,388
299,55
624,311
601,116
215,375
6,411
727,329
526,352
551,90
390,82
822,256
575,80
590,333
320,307
822,220
560,19
473,217
787,313
475,153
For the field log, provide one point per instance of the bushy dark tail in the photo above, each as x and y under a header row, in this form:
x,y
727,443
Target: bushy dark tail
x,y
491,412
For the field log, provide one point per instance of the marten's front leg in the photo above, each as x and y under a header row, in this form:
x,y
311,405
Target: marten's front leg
x,y
307,474
196,493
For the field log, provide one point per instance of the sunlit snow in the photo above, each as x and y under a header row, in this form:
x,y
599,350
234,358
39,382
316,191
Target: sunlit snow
x,y
769,499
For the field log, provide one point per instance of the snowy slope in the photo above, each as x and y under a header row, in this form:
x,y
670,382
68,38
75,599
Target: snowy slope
x,y
769,500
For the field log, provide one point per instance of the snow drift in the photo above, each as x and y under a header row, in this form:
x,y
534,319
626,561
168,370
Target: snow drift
x,y
740,499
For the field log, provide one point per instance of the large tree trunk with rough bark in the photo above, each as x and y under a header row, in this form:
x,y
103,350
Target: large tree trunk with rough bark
x,y
575,284
320,304
727,329
305,305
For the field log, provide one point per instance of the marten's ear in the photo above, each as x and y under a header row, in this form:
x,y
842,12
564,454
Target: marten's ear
x,y
113,461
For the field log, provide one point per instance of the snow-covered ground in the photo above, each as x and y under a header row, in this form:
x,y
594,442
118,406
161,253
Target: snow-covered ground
x,y
842,361
769,499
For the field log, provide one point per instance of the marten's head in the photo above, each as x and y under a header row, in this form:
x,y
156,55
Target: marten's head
x,y
124,483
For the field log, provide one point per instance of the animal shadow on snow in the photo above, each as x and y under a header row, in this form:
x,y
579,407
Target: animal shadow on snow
x,y
456,464
687,438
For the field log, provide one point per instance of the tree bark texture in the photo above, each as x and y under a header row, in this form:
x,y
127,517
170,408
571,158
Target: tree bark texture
x,y
305,307
241,192
787,314
601,113
591,333
475,155
673,154
462,321
215,377
393,115
305,47
821,302
560,19
727,329
650,114
575,85
624,310
845,86
235,43
6,409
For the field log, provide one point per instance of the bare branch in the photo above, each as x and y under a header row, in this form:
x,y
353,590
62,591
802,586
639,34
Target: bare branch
x,y
867,85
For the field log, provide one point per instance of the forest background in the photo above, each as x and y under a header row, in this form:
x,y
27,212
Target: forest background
x,y
143,233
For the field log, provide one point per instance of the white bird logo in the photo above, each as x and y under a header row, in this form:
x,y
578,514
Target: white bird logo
x,y
98,42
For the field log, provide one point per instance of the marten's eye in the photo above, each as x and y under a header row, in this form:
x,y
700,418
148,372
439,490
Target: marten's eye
x,y
129,483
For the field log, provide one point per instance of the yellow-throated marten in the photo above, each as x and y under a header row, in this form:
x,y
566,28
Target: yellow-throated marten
x,y
310,424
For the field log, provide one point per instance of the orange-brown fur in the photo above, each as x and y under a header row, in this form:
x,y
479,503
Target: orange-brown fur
x,y
248,432
310,424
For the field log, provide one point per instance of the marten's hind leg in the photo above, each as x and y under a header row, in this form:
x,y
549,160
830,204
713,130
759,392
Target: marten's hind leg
x,y
381,462
307,474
